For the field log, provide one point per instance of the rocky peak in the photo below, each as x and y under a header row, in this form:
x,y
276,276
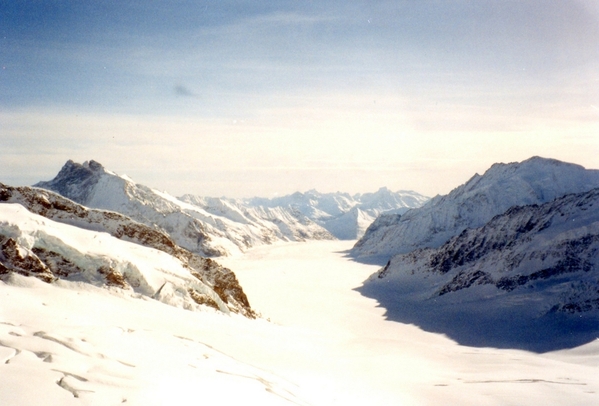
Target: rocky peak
x,y
92,165
75,180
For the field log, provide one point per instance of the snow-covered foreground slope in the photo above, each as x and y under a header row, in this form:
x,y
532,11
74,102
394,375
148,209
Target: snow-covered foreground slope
x,y
326,345
219,229
75,344
534,181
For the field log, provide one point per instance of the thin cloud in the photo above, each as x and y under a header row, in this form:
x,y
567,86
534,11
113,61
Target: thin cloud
x,y
183,91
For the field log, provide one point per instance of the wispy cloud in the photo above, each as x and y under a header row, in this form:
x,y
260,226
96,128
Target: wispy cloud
x,y
183,91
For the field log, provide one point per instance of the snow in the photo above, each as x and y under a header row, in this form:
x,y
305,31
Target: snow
x,y
220,226
214,229
527,279
325,344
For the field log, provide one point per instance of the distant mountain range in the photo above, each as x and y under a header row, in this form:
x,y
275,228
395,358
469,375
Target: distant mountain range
x,y
220,226
344,216
510,258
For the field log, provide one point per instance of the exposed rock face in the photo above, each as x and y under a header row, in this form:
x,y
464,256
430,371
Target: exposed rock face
x,y
528,247
49,266
76,181
534,181
14,258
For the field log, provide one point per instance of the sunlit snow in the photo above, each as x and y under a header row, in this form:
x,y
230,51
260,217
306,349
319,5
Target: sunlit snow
x,y
325,344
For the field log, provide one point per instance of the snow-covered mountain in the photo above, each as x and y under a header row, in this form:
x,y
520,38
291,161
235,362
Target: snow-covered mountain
x,y
534,265
220,229
343,215
534,181
82,248
221,226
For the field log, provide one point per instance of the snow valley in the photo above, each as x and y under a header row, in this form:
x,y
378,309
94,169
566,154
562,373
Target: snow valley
x,y
489,295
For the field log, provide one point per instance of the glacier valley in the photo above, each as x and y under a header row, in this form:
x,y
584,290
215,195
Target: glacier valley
x,y
486,296
325,344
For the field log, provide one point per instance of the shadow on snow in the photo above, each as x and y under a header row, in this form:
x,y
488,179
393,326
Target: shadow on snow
x,y
484,324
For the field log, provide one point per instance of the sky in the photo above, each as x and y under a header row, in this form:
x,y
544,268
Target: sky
x,y
242,98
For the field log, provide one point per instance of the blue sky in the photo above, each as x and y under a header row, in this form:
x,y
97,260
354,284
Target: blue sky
x,y
245,98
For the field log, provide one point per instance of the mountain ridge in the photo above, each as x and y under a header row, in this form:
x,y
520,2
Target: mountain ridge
x,y
533,181
191,227
526,278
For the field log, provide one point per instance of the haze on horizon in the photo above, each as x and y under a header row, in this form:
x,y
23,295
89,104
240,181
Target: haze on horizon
x,y
243,98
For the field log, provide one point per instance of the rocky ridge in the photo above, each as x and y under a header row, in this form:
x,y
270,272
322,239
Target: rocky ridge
x,y
548,252
526,278
49,266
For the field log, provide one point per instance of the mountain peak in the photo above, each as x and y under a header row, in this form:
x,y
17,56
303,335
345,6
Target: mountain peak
x,y
92,165
75,180
533,163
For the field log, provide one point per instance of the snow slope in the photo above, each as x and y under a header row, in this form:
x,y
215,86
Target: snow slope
x,y
380,362
33,245
527,278
220,229
76,344
71,343
536,180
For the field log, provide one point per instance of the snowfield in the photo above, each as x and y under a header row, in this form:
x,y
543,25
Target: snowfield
x,y
71,343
